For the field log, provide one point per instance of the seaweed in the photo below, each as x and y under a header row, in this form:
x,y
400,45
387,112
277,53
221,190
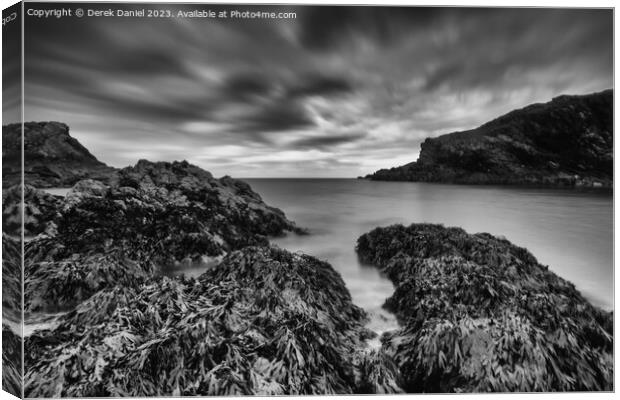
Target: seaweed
x,y
480,314
60,285
39,210
264,322
11,279
156,215
11,362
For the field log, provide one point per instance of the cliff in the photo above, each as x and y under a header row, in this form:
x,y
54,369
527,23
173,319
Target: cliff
x,y
565,142
52,157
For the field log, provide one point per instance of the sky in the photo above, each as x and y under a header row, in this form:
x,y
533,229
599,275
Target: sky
x,y
334,92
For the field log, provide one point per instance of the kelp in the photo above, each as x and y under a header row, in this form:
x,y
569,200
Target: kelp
x,y
11,362
153,216
11,315
480,314
161,212
264,321
60,285
11,278
40,209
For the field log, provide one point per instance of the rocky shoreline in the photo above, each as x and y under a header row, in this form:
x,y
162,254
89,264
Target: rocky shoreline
x,y
264,321
477,313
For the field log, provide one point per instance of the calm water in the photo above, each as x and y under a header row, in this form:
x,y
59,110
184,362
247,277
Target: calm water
x,y
571,231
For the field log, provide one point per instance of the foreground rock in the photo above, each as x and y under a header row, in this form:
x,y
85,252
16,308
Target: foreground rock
x,y
480,314
11,315
264,322
156,216
566,142
11,362
52,157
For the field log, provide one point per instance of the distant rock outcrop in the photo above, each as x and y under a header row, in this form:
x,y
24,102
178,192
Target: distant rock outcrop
x,y
565,142
52,158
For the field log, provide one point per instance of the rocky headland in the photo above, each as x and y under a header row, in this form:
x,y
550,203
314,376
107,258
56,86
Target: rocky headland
x,y
567,142
52,157
479,314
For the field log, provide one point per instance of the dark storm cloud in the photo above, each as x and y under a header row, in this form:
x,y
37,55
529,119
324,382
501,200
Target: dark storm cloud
x,y
276,105
339,91
539,40
327,27
320,85
276,116
246,85
327,141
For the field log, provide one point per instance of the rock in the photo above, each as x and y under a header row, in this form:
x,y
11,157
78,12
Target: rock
x,y
52,157
265,322
40,209
480,314
87,188
11,315
11,362
61,285
165,174
170,213
11,279
566,142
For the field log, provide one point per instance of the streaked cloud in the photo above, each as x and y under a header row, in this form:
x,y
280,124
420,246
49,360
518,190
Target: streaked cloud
x,y
339,91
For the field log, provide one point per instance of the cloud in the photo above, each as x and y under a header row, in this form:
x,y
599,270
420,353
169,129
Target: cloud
x,y
339,91
327,141
320,86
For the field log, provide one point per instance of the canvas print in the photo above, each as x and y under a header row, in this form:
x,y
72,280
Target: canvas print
x,y
229,199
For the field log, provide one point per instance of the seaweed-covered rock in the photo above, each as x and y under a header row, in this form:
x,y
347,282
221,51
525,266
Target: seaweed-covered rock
x,y
226,197
58,285
11,280
11,316
480,314
155,216
264,322
170,211
40,209
11,362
